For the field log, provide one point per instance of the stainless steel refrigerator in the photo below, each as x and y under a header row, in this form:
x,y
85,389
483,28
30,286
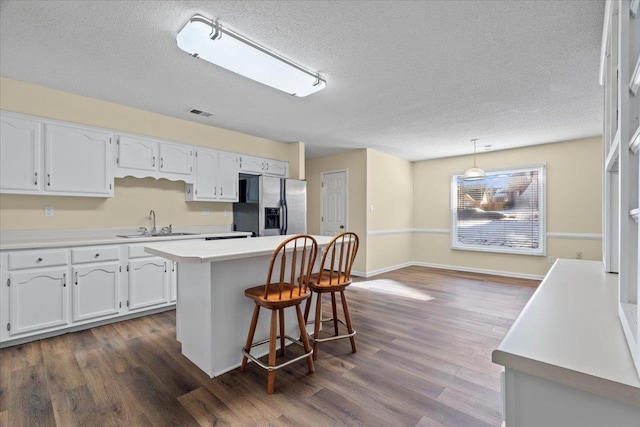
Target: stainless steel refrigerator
x,y
270,206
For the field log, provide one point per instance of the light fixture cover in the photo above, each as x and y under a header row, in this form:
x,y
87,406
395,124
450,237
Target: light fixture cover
x,y
208,40
475,172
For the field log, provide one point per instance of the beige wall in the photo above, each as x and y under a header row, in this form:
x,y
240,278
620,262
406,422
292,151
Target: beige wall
x,y
355,163
574,205
133,197
389,210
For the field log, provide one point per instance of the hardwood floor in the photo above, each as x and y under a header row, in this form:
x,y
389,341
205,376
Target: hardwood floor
x,y
424,359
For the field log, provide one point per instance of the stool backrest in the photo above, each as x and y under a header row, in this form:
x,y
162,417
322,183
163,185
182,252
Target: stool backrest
x,y
292,262
338,258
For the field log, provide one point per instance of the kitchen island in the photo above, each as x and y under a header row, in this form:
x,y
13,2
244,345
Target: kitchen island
x,y
212,313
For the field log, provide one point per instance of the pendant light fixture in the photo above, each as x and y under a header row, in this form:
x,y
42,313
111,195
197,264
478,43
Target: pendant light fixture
x,y
475,172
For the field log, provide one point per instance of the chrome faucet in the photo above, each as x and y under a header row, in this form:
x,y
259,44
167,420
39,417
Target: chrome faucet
x,y
152,215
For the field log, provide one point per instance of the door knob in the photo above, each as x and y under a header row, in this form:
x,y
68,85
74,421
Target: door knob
x,y
342,227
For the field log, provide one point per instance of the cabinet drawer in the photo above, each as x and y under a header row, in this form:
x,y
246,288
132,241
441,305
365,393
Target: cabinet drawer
x,y
94,254
34,259
137,251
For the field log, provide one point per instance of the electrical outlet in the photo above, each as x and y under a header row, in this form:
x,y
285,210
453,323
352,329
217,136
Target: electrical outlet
x,y
371,208
48,211
226,212
205,212
579,255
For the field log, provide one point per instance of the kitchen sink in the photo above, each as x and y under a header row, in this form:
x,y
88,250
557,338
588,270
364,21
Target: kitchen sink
x,y
158,234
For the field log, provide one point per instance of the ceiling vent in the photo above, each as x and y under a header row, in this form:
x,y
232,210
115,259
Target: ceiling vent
x,y
201,113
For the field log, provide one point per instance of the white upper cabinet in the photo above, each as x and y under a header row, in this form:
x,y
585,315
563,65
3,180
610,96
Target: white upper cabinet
x,y
216,177
144,157
44,157
78,160
261,166
20,154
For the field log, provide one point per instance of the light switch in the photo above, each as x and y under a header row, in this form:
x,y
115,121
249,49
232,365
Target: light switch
x,y
48,211
204,212
371,208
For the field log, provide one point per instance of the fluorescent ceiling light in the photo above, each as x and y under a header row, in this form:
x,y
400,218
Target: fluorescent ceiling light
x,y
203,38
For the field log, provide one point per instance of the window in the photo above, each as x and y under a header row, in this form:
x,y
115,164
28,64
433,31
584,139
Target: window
x,y
503,212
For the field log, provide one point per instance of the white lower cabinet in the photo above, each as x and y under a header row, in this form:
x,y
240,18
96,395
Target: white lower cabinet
x,y
38,300
148,282
47,292
95,291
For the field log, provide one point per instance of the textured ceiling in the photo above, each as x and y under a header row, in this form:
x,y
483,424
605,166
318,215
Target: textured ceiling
x,y
415,79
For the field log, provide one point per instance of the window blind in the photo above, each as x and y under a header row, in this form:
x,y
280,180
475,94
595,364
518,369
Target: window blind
x,y
503,212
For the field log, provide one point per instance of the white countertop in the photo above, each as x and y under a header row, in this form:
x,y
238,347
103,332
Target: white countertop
x,y
569,332
221,250
36,239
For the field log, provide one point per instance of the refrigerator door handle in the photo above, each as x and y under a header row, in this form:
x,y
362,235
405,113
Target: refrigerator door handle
x,y
286,216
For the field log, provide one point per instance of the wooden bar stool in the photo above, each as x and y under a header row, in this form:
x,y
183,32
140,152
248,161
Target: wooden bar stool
x,y
334,276
291,266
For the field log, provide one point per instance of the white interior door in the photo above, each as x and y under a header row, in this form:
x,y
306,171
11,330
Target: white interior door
x,y
333,202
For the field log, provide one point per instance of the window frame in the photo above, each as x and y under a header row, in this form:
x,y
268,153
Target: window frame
x,y
541,250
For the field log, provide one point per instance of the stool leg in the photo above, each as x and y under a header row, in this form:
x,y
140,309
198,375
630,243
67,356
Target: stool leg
x,y
252,331
347,319
282,346
335,313
307,308
305,339
316,326
271,375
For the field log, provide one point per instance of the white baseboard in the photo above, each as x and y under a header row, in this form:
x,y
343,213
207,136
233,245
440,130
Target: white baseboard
x,y
447,267
480,270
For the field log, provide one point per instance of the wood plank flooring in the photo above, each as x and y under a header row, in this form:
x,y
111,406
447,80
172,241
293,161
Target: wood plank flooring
x,y
424,340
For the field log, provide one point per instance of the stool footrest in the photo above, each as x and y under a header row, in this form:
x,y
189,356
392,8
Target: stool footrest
x,y
282,365
335,337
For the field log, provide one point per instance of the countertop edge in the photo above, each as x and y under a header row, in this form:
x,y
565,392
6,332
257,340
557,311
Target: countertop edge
x,y
579,380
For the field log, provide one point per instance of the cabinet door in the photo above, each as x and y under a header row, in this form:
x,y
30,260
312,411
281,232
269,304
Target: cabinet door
x,y
148,282
95,290
250,164
20,150
137,153
38,300
78,160
206,174
176,158
228,177
173,281
275,168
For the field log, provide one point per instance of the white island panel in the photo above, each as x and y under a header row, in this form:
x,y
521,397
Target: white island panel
x,y
212,313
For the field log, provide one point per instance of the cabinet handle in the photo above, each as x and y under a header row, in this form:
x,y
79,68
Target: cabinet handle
x,y
64,280
165,266
76,278
221,189
39,260
215,191
154,161
173,266
36,181
49,180
161,162
97,255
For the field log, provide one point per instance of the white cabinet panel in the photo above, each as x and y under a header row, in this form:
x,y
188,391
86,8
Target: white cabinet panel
x,y
137,153
78,160
94,254
148,282
95,290
145,157
20,154
37,259
250,164
228,177
261,166
276,168
216,177
38,300
176,158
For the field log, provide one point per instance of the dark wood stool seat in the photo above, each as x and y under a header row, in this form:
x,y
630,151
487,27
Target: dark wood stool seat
x,y
333,278
291,264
